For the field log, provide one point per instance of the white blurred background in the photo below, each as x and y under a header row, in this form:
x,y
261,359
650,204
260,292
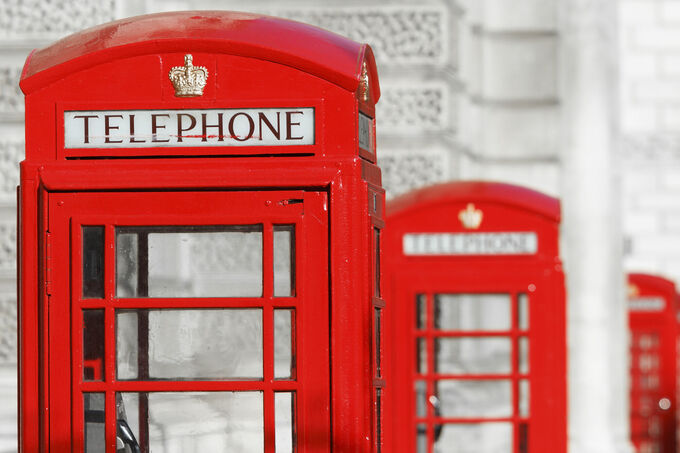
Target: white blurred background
x,y
577,98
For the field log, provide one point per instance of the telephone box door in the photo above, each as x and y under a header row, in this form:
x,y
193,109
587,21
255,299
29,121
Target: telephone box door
x,y
188,321
473,375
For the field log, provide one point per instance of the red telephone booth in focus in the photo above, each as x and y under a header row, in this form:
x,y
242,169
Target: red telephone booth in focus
x,y
653,356
479,345
200,203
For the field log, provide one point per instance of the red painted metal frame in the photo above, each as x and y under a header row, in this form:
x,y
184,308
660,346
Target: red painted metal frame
x,y
653,350
505,208
258,61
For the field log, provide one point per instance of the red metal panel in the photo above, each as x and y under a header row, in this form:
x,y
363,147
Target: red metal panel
x,y
653,329
443,266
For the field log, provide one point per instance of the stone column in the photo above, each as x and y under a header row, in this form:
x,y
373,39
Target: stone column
x,y
592,238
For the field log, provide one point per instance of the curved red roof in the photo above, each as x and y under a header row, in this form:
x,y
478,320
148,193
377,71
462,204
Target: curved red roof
x,y
652,282
508,194
304,47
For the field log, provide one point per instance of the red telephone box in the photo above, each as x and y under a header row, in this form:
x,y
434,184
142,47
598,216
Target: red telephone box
x,y
479,352
653,332
200,210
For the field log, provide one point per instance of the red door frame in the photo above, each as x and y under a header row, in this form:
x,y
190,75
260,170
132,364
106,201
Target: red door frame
x,y
505,208
653,349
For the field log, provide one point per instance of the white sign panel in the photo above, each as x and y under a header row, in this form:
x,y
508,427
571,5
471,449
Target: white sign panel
x,y
184,128
501,243
650,303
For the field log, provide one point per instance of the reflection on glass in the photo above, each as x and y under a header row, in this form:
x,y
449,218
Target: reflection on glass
x,y
493,437
473,355
523,437
524,397
523,355
197,421
421,311
93,261
95,441
205,261
522,311
189,344
469,398
472,312
284,404
93,345
284,260
421,398
421,355
284,363
378,346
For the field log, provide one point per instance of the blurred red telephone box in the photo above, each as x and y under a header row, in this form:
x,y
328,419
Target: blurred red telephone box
x,y
200,203
653,360
478,357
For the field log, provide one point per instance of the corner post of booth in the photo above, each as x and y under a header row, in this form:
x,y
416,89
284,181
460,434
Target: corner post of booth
x,y
199,239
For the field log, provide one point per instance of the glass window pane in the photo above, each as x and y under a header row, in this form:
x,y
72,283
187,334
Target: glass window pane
x,y
93,345
421,438
378,346
284,344
189,344
522,311
376,260
473,355
421,355
95,440
421,311
475,438
284,260
472,312
207,261
421,398
378,419
93,261
284,403
523,355
198,421
524,397
463,398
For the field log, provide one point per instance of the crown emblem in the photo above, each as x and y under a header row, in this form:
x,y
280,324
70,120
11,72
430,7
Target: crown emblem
x,y
470,217
364,83
188,80
633,291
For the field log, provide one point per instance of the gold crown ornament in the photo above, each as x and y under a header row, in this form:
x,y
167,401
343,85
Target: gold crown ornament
x,y
188,80
470,217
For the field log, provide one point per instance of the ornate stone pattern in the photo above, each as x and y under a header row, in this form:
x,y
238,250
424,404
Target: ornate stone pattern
x,y
8,246
11,153
412,34
421,108
8,329
651,147
37,18
11,98
406,171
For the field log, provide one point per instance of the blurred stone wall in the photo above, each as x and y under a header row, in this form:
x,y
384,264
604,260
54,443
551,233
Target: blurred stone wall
x,y
650,125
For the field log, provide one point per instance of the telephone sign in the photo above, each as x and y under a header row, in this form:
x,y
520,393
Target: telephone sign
x,y
653,357
478,360
190,279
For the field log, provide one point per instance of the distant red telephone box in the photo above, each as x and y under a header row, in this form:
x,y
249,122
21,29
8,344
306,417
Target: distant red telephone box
x,y
653,360
200,205
479,347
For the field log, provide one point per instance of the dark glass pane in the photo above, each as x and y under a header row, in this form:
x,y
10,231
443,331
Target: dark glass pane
x,y
93,262
378,419
378,343
376,235
93,345
421,311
